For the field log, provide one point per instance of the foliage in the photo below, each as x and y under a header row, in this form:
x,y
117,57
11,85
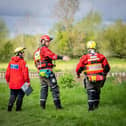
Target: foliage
x,y
66,81
6,52
3,33
30,42
5,44
72,41
114,39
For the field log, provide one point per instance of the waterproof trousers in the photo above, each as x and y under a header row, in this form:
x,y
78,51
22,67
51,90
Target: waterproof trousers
x,y
15,95
52,83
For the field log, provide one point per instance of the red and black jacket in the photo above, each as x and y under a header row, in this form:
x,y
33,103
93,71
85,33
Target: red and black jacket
x,y
43,57
93,64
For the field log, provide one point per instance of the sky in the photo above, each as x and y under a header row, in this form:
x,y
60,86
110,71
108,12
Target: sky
x,y
37,16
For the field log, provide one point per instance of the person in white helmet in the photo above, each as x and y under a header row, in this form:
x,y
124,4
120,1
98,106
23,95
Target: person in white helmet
x,y
16,75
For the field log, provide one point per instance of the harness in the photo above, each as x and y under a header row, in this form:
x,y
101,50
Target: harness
x,y
42,62
93,68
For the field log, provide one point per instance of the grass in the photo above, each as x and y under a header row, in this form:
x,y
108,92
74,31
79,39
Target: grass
x,y
111,112
117,65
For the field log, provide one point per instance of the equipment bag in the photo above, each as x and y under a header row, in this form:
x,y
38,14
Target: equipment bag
x,y
44,73
27,89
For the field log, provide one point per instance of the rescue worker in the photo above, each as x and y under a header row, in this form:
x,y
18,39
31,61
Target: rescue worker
x,y
95,67
16,75
43,57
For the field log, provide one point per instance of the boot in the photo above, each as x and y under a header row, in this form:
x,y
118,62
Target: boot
x,y
43,104
10,108
58,104
96,104
18,109
90,106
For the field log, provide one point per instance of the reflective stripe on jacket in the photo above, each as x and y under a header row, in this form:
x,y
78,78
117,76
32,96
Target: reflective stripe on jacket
x,y
93,65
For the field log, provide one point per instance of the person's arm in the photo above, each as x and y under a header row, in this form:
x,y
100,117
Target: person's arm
x,y
54,56
106,66
25,72
80,66
7,74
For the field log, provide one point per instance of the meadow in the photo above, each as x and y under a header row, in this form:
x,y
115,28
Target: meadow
x,y
112,110
117,65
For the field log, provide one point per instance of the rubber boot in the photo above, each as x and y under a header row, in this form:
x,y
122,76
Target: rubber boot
x,y
96,104
43,104
58,104
10,108
90,106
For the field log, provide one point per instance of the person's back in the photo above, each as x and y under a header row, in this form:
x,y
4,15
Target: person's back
x,y
16,75
95,64
95,67
16,78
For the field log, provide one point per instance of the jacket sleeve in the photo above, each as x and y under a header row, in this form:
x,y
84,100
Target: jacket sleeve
x,y
106,66
25,72
7,74
50,54
80,65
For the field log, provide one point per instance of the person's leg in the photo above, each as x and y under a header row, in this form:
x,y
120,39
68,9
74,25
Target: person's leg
x,y
19,100
97,98
13,95
91,99
55,91
43,92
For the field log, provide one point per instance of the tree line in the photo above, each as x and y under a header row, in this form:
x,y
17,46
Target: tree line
x,y
70,35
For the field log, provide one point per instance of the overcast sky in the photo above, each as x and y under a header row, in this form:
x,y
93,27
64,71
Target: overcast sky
x,y
36,16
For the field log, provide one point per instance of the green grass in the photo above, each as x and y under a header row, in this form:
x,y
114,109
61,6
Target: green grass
x,y
117,65
111,112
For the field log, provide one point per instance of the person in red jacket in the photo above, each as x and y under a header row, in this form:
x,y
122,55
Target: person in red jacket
x,y
95,67
43,57
16,75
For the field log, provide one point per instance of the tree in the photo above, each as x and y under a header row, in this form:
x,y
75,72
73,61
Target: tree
x,y
28,41
3,33
114,37
6,52
72,41
65,11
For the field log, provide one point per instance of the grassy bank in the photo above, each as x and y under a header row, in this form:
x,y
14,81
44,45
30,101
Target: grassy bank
x,y
112,110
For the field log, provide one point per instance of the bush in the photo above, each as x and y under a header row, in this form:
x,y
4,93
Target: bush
x,y
67,81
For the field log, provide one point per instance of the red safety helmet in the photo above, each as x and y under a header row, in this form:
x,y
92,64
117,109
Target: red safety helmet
x,y
45,37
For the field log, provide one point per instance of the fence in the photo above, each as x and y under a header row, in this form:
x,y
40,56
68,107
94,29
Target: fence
x,y
31,74
35,74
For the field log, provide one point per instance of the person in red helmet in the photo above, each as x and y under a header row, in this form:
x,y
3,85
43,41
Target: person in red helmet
x,y
95,67
16,75
43,58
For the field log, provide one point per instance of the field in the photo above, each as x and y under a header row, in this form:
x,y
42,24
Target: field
x,y
117,65
112,110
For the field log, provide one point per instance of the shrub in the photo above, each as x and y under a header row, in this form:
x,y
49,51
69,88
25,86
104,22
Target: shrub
x,y
67,81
